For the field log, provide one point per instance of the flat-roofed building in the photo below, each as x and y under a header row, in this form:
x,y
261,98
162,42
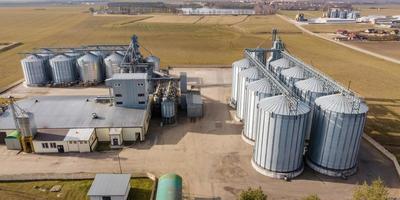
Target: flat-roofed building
x,y
110,187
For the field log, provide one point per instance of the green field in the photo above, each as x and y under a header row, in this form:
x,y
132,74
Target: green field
x,y
140,190
178,40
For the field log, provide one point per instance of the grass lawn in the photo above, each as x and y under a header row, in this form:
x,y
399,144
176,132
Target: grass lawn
x,y
140,190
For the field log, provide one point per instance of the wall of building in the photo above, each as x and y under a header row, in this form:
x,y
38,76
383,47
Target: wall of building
x,y
131,134
103,134
38,147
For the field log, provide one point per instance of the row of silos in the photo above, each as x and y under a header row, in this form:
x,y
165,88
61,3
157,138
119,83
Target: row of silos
x,y
71,67
278,127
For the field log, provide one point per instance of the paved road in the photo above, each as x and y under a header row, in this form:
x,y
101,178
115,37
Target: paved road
x,y
340,43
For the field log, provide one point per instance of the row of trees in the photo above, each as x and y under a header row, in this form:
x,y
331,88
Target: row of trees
x,y
375,191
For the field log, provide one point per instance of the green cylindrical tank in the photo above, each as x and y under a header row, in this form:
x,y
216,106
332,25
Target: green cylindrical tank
x,y
169,187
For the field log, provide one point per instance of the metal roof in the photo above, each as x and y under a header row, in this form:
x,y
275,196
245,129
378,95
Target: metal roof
x,y
281,105
294,72
341,104
313,85
243,63
79,134
129,76
51,134
251,73
262,86
61,58
110,185
75,112
280,63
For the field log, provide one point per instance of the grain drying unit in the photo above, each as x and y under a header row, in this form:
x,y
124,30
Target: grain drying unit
x,y
245,77
63,70
279,145
35,70
237,67
89,68
256,91
310,103
338,125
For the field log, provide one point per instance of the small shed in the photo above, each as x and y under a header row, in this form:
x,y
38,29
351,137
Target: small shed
x,y
81,140
13,141
110,187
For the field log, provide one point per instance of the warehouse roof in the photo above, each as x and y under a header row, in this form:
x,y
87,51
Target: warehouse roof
x,y
52,112
51,134
109,185
79,134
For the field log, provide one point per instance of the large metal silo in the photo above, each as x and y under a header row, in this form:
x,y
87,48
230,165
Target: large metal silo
x,y
63,69
35,70
89,68
101,55
279,144
113,64
292,75
256,91
337,127
309,90
278,65
156,62
245,77
237,67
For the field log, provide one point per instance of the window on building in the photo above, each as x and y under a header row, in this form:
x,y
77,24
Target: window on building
x,y
140,95
142,102
74,142
106,198
70,142
118,102
81,142
53,145
85,142
118,95
45,145
140,84
117,85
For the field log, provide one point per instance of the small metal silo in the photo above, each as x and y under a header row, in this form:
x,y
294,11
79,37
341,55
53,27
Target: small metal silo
x,y
245,77
168,111
113,63
278,65
156,62
35,70
237,67
337,127
292,75
256,91
309,90
279,144
63,69
89,68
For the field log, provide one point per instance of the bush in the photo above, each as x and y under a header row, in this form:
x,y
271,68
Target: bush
x,y
253,194
311,197
375,191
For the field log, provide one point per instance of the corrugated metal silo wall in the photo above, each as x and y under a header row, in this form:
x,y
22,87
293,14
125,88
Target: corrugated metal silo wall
x,y
35,71
63,71
280,142
89,69
168,109
335,139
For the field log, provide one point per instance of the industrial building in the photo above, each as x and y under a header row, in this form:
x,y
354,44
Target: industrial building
x,y
216,11
292,111
135,8
137,87
110,187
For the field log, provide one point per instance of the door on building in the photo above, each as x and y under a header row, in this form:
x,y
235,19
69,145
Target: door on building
x,y
28,147
60,148
115,142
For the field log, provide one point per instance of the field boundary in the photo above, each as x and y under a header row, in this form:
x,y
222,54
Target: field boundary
x,y
10,46
8,87
384,151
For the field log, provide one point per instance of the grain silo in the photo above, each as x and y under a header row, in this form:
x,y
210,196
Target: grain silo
x,y
101,55
63,69
278,65
237,67
89,68
309,90
168,111
279,144
256,91
292,75
113,63
156,62
35,70
245,77
337,127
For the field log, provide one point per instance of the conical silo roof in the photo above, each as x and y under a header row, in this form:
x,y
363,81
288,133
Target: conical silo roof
x,y
114,57
340,104
262,85
294,72
280,63
251,73
281,105
312,85
60,58
32,57
243,63
88,57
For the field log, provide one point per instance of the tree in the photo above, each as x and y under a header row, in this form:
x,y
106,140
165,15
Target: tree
x,y
253,194
375,191
312,197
